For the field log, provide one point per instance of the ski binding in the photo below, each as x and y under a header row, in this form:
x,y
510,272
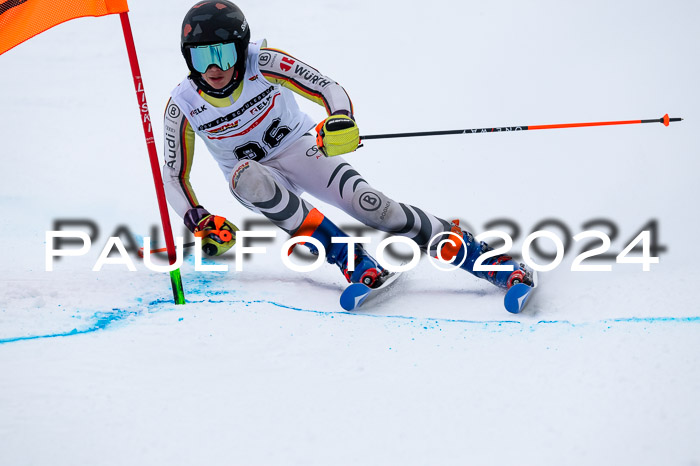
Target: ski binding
x,y
518,295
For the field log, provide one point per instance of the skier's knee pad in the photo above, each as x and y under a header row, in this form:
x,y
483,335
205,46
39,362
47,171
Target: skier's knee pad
x,y
375,209
252,182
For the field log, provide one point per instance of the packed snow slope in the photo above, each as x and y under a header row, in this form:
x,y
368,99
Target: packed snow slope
x,y
261,366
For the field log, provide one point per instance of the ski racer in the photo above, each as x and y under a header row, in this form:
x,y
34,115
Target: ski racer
x,y
239,99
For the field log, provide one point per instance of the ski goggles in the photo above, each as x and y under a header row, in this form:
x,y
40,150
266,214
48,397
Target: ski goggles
x,y
222,55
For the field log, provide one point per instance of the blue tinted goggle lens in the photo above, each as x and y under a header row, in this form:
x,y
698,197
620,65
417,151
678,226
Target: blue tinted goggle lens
x,y
222,55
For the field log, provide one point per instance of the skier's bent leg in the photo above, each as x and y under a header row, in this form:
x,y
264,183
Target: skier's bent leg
x,y
365,269
255,187
468,251
375,209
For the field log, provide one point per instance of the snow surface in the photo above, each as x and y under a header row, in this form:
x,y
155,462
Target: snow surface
x,y
261,366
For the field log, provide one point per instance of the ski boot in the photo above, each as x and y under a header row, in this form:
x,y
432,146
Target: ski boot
x,y
366,269
473,250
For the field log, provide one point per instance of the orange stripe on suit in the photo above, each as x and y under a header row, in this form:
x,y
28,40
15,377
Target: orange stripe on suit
x,y
308,226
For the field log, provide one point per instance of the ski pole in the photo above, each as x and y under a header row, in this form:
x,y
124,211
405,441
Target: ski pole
x,y
664,119
153,251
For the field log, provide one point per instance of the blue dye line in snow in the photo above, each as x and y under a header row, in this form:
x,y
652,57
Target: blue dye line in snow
x,y
106,319
102,321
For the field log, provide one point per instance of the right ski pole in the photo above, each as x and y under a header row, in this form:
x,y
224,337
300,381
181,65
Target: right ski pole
x,y
664,119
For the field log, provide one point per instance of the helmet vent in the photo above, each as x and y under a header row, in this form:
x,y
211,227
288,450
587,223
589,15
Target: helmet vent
x,y
223,33
202,17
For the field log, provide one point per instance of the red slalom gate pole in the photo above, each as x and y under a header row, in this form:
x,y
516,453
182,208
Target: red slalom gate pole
x,y
664,119
175,278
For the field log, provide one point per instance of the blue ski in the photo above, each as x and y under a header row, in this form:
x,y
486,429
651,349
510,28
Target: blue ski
x,y
517,295
357,293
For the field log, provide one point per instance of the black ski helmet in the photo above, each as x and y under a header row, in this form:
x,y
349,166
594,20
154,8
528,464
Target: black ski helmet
x,y
215,22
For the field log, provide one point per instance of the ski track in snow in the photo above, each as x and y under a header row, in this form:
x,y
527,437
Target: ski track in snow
x,y
103,320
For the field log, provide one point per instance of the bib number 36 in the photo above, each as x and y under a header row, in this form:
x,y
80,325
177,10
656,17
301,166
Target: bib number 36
x,y
273,136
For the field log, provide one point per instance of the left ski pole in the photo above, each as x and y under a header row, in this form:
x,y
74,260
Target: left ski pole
x,y
664,119
153,251
175,278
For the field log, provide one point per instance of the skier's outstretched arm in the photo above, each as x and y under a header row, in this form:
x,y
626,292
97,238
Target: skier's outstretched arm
x,y
279,67
337,134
